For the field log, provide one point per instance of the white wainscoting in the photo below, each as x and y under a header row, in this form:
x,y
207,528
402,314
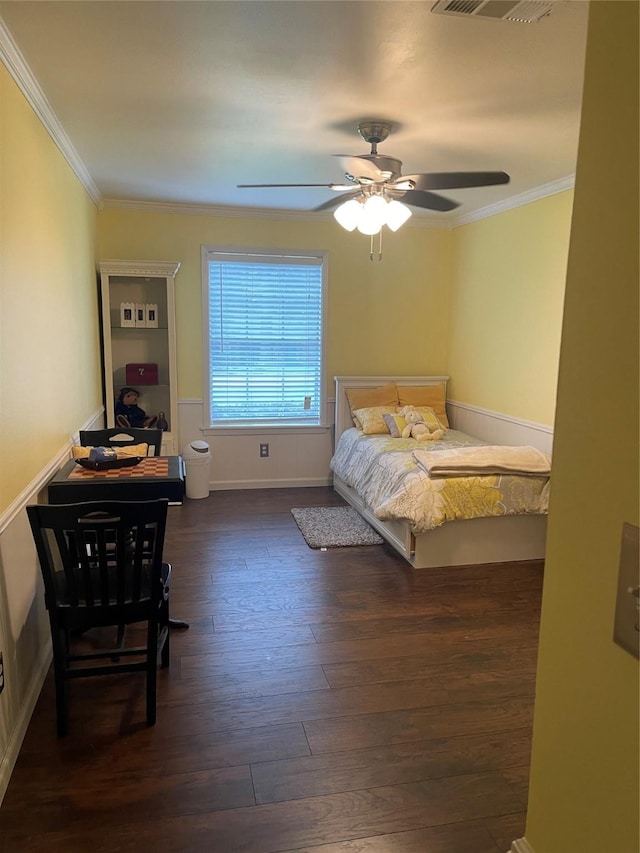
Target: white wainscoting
x,y
497,428
25,637
302,458
296,457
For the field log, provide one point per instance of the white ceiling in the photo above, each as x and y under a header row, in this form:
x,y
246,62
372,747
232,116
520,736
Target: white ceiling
x,y
179,101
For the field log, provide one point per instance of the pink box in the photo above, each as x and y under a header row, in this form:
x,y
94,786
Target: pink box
x,y
141,374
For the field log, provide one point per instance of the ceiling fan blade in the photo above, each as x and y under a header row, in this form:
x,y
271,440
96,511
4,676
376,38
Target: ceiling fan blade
x,y
334,202
337,187
455,180
430,201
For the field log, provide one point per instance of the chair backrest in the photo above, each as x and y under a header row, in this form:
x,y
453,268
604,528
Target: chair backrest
x,y
104,557
121,437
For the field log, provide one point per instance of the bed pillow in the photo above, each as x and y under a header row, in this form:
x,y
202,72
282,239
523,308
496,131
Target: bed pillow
x,y
425,395
430,418
371,419
362,398
395,423
78,452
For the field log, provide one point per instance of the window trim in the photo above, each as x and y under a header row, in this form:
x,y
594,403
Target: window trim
x,y
206,251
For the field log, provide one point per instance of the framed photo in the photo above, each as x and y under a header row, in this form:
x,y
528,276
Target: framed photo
x,y
141,316
127,314
151,315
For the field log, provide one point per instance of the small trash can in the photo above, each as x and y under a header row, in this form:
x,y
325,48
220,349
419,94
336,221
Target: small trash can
x,y
197,462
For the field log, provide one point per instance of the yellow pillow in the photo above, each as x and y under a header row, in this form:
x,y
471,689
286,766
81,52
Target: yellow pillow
x,y
425,395
130,450
372,419
396,424
362,398
429,417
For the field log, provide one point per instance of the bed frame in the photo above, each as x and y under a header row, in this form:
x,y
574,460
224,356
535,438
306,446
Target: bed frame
x,y
503,539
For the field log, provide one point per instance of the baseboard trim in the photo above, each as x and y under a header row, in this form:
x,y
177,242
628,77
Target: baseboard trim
x,y
228,485
521,845
19,731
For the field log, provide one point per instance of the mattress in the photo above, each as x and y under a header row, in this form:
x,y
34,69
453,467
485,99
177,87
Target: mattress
x,y
385,474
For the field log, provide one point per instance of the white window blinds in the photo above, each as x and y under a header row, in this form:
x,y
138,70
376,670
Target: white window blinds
x,y
264,338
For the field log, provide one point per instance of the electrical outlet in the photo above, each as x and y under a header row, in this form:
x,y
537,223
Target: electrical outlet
x,y
264,450
1,673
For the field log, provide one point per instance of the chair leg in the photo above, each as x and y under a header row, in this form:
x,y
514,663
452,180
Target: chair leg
x,y
119,642
60,640
152,670
164,639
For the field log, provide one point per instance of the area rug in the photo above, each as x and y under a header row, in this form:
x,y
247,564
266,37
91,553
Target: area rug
x,y
334,527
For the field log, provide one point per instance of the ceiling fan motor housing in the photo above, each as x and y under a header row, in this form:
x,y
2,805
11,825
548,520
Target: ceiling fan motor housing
x,y
387,169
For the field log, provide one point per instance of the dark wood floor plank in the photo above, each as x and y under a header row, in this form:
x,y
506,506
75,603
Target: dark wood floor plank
x,y
284,826
423,723
320,702
180,753
467,837
522,660
506,828
358,661
328,773
507,624
137,798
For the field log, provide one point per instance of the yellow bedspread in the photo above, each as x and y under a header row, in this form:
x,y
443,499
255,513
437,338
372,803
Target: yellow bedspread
x,y
386,474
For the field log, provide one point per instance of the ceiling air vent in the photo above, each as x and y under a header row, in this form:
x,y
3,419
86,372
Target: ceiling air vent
x,y
522,11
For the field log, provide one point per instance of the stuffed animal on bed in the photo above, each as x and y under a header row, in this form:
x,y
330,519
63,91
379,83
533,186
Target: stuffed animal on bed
x,y
416,426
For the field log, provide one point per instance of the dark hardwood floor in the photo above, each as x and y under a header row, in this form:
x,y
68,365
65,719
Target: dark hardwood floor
x,y
321,702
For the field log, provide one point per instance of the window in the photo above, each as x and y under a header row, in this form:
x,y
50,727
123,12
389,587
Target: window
x,y
263,316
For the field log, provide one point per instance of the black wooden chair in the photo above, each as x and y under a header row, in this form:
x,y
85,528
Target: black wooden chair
x,y
102,567
122,437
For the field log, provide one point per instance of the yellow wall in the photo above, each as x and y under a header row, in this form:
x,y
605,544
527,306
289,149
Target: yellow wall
x,y
49,353
507,291
584,790
389,317
49,374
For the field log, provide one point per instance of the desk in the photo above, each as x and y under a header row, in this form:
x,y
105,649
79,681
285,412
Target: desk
x,y
152,478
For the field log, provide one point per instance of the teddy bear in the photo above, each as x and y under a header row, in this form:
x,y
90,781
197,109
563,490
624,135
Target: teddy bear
x,y
416,427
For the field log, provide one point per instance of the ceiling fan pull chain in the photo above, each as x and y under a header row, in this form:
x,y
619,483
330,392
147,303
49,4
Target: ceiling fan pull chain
x,y
379,246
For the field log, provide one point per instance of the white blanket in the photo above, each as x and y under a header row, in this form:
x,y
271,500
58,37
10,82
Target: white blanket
x,y
488,459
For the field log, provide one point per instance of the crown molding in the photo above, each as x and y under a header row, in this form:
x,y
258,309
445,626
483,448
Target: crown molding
x,y
28,85
543,191
561,185
184,209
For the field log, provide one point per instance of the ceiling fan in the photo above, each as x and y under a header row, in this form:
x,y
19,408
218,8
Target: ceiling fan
x,y
376,174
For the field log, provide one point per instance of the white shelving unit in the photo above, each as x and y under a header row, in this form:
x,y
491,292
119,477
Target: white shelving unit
x,y
141,283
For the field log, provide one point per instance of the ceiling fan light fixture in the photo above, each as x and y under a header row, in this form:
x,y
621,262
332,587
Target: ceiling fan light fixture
x,y
397,214
348,214
374,215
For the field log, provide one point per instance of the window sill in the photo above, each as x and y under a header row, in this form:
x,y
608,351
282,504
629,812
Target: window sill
x,y
270,429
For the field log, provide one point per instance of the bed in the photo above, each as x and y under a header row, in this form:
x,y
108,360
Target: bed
x,y
383,479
